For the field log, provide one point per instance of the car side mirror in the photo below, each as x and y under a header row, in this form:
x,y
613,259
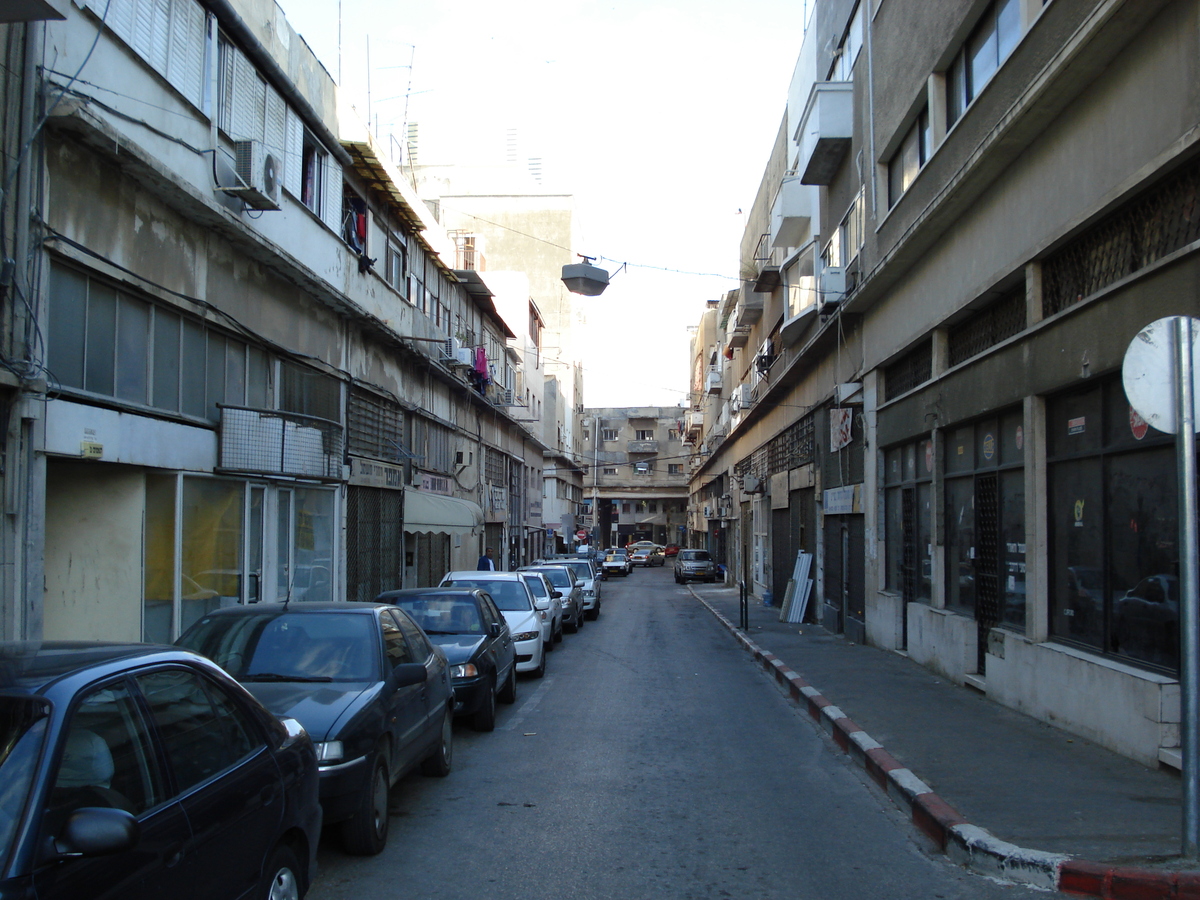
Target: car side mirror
x,y
494,629
555,594
97,831
541,603
407,674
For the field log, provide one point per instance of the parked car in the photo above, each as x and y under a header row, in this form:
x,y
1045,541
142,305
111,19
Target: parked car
x,y
467,627
361,678
589,584
549,606
616,562
694,565
515,602
114,758
564,581
670,550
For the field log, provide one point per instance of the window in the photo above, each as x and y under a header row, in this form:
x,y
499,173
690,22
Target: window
x,y
847,53
610,471
354,220
608,434
395,270
312,169
908,159
109,343
645,434
986,48
674,468
643,468
672,434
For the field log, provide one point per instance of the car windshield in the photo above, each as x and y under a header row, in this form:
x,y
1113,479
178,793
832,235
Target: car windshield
x,y
289,646
582,570
510,596
557,576
22,726
443,614
694,554
537,585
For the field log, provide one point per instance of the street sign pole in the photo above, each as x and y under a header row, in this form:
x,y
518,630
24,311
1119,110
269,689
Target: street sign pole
x,y
1189,563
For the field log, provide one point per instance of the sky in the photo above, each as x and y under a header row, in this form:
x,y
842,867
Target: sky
x,y
658,117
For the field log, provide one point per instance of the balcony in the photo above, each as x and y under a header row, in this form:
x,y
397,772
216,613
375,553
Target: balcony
x,y
825,129
768,263
739,337
272,442
792,214
750,307
642,447
712,381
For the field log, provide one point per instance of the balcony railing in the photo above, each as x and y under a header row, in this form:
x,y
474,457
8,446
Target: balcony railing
x,y
642,447
273,442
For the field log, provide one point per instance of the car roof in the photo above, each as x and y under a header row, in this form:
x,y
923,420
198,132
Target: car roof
x,y
32,665
297,606
446,593
486,574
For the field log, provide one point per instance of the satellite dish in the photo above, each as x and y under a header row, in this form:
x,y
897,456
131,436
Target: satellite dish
x,y
1148,372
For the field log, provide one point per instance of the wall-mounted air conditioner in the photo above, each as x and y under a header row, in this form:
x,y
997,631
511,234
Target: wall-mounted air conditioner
x,y
743,397
833,288
708,512
722,512
259,173
466,357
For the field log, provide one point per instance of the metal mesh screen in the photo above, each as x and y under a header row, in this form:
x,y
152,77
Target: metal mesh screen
x,y
1148,228
988,327
374,425
913,368
277,443
373,533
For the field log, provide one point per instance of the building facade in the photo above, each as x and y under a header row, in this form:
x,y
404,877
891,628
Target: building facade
x,y
637,483
951,250
249,365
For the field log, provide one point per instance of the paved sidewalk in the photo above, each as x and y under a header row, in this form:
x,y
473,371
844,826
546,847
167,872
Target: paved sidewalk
x,y
996,790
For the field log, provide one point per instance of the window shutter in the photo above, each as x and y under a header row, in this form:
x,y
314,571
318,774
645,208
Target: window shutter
x,y
247,119
185,69
275,136
332,213
294,133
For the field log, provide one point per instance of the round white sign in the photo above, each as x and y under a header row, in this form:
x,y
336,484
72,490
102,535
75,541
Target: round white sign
x,y
1148,372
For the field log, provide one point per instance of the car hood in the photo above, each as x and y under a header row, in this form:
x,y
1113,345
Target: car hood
x,y
318,707
458,647
521,620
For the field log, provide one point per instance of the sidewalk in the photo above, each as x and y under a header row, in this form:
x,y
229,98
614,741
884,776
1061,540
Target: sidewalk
x,y
996,790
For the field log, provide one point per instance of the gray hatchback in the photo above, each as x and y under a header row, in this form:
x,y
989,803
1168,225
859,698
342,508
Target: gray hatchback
x,y
694,565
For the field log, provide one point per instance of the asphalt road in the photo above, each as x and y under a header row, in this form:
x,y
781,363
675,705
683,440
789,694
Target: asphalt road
x,y
653,760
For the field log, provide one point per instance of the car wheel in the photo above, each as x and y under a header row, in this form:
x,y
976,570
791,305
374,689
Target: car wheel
x,y
485,718
438,763
558,635
540,671
365,833
678,580
574,626
508,693
283,878
594,612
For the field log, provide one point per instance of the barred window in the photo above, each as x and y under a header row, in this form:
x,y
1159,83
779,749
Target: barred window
x,y
375,425
913,368
988,327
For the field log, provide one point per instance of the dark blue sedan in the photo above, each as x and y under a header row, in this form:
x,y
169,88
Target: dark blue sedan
x,y
137,771
473,634
364,681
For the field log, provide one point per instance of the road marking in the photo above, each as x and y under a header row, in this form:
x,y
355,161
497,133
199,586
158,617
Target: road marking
x,y
529,706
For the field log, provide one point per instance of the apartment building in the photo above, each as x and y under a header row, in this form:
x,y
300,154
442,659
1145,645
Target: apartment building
x,y
637,484
970,211
243,363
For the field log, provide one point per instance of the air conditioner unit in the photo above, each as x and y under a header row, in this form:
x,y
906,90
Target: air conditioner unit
x,y
259,173
708,512
504,397
751,483
833,288
450,350
723,512
466,357
743,396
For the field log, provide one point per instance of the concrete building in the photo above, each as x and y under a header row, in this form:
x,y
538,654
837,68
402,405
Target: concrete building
x,y
245,363
970,211
637,482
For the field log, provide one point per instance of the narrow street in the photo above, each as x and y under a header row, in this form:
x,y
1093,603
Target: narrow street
x,y
654,760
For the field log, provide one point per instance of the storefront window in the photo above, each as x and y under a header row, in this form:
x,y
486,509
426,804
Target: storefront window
x,y
211,563
908,473
313,552
1114,553
158,598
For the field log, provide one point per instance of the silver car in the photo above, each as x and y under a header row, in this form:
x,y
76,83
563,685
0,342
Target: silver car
x,y
694,565
589,584
567,584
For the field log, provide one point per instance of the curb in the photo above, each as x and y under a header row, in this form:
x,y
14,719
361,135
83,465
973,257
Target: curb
x,y
940,824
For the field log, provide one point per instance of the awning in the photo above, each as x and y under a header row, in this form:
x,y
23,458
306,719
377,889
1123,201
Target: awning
x,y
442,515
653,520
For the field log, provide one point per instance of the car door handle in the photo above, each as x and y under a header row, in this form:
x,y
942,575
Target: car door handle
x,y
173,855
267,795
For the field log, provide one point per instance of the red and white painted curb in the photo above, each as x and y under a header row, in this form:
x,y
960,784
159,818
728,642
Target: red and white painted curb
x,y
966,844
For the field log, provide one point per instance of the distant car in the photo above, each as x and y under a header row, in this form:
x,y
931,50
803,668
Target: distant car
x,y
473,634
548,601
361,678
670,550
141,771
515,601
616,562
694,565
647,556
589,584
564,581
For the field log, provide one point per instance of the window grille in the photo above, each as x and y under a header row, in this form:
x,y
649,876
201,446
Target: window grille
x,y
312,393
792,447
375,425
913,368
988,327
1159,222
494,466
